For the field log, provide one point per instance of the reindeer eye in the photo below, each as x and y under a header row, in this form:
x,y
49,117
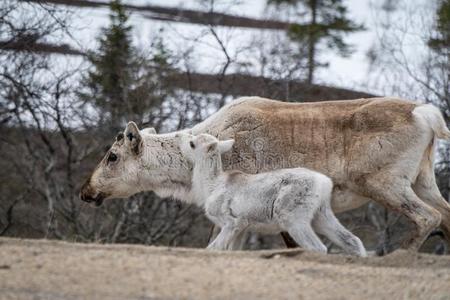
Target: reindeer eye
x,y
191,143
112,157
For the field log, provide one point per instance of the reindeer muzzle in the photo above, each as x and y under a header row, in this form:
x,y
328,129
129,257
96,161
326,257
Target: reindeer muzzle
x,y
87,195
98,200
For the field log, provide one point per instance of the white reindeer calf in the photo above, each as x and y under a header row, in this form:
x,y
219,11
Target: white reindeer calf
x,y
293,200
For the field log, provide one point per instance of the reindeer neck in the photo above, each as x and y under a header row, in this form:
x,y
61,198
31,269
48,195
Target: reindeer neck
x,y
205,176
164,169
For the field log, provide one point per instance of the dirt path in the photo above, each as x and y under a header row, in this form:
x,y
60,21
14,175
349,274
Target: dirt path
x,y
38,269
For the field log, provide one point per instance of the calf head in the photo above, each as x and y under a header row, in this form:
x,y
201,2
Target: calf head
x,y
116,174
197,148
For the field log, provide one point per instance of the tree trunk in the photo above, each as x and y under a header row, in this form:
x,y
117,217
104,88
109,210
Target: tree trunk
x,y
312,41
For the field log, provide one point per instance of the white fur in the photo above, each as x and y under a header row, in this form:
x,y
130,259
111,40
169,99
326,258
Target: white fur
x,y
148,130
294,200
433,118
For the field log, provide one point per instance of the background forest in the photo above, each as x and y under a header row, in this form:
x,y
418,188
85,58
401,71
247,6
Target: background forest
x,y
72,73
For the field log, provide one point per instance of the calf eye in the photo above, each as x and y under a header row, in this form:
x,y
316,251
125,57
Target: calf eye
x,y
112,157
191,143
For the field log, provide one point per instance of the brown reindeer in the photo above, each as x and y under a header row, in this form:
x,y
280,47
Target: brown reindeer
x,y
379,149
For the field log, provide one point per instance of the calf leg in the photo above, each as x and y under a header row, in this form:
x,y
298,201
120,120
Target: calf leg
x,y
213,232
327,224
397,194
225,239
304,235
239,241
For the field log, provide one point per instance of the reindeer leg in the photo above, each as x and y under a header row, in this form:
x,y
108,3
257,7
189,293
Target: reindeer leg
x,y
397,194
225,239
426,188
306,237
213,232
326,223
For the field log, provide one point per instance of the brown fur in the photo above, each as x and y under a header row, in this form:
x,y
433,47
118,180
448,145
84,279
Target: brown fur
x,y
327,136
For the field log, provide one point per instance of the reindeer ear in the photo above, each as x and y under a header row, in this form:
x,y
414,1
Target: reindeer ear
x,y
149,130
211,147
119,136
133,138
225,146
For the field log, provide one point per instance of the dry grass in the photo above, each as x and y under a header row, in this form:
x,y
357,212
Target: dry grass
x,y
40,269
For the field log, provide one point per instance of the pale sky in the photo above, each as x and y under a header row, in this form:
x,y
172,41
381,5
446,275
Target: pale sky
x,y
348,72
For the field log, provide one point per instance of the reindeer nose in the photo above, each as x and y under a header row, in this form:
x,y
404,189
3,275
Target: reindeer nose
x,y
86,197
86,194
89,195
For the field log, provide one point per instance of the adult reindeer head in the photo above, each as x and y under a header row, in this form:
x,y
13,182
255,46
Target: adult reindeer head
x,y
117,175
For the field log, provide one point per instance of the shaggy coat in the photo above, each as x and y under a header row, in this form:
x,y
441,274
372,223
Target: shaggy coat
x,y
294,200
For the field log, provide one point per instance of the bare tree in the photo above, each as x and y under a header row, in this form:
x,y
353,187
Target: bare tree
x,y
49,141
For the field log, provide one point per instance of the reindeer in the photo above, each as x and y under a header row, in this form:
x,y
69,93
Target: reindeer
x,y
379,149
271,202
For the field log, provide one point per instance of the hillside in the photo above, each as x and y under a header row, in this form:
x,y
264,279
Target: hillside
x,y
39,269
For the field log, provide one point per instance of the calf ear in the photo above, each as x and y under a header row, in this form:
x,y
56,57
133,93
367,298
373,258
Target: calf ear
x,y
149,130
133,138
211,146
225,146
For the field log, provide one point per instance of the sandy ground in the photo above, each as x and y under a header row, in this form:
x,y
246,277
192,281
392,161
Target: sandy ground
x,y
40,269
